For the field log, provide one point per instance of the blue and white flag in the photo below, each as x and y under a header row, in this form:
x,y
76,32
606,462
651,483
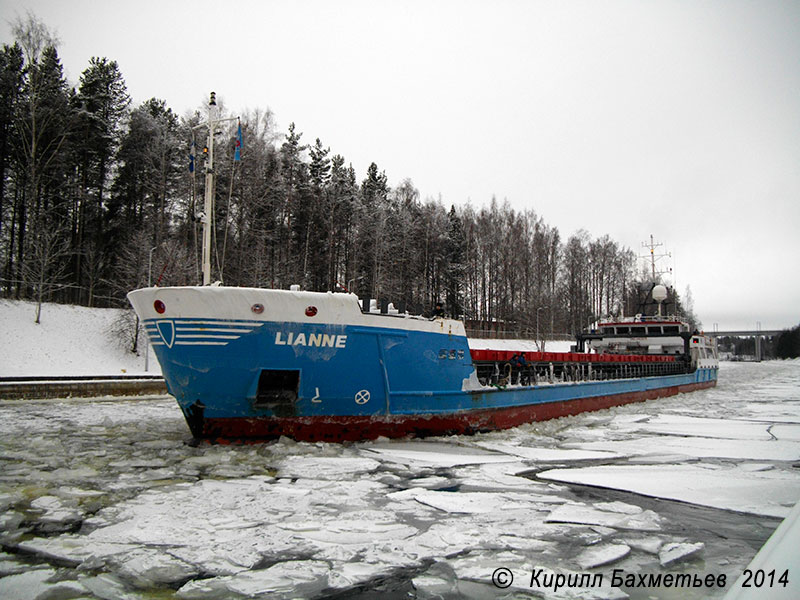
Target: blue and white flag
x,y
191,157
237,155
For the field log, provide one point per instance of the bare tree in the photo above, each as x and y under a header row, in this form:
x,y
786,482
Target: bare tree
x,y
47,258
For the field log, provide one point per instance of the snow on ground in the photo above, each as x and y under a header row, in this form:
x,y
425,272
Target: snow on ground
x,y
69,340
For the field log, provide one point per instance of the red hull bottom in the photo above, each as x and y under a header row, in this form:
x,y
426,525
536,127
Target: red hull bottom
x,y
356,428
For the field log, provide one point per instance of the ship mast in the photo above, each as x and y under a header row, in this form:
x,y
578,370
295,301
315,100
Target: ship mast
x,y
207,218
655,257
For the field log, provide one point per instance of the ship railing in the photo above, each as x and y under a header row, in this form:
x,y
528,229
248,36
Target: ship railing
x,y
501,373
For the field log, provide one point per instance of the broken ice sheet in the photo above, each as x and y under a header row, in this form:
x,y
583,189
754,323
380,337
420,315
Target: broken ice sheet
x,y
610,514
358,527
689,426
768,493
528,577
603,554
148,567
440,454
289,579
532,453
326,467
74,549
699,447
468,502
675,552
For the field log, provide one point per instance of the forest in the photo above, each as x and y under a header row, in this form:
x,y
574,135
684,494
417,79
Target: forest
x,y
100,197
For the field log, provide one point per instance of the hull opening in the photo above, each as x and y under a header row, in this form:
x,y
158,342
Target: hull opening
x,y
277,391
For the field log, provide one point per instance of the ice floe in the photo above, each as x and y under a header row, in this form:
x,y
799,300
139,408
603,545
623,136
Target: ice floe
x,y
439,454
768,493
674,552
616,515
603,554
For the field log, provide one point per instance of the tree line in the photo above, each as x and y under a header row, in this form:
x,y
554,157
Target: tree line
x,y
97,199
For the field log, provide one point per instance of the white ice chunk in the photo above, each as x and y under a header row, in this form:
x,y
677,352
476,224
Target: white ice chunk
x,y
325,467
706,427
700,447
292,579
349,574
108,587
504,477
434,482
440,454
546,454
471,502
349,531
147,567
603,554
769,493
27,586
439,581
675,552
56,512
527,578
650,544
641,520
74,549
205,589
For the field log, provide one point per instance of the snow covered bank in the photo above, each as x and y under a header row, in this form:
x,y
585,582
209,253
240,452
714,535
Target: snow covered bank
x,y
70,340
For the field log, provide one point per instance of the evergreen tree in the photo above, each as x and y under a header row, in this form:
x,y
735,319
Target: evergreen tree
x,y
102,103
454,277
788,344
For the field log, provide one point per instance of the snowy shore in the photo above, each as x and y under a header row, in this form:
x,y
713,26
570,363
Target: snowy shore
x,y
70,340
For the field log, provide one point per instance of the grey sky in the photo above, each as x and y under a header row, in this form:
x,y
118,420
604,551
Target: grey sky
x,y
680,119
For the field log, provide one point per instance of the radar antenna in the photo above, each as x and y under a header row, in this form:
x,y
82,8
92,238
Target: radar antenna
x,y
654,258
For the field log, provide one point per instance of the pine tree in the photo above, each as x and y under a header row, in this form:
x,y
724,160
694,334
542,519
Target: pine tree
x,y
11,90
102,103
454,276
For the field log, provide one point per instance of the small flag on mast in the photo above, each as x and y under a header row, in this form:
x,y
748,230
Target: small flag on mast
x,y
237,155
191,157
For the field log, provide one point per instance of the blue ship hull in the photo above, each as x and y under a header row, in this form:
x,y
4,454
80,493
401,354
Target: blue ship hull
x,y
248,363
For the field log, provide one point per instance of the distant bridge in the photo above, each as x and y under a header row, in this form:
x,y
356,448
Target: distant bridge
x,y
745,333
758,334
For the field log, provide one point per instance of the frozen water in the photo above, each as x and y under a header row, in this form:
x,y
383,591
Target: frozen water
x,y
107,497
674,552
606,515
435,454
604,554
771,493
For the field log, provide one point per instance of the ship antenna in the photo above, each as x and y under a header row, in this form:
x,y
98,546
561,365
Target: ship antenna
x,y
208,206
655,274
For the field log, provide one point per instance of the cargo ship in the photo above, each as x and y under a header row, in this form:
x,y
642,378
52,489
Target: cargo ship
x,y
251,363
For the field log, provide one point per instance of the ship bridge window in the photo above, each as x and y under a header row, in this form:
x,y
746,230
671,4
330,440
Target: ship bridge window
x,y
654,330
670,329
622,330
638,330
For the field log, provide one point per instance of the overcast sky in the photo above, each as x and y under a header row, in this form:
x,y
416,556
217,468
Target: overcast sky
x,y
627,118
